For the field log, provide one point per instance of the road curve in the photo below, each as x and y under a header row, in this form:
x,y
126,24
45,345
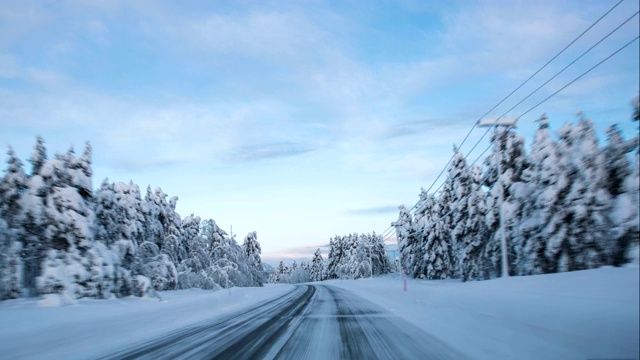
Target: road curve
x,y
311,322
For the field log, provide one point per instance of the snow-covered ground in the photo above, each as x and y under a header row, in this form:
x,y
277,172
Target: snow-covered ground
x,y
93,328
578,315
591,314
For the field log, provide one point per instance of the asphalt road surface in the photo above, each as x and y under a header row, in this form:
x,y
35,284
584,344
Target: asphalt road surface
x,y
311,322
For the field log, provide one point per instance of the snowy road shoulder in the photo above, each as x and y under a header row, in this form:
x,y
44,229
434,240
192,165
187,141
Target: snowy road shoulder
x,y
95,327
577,315
313,321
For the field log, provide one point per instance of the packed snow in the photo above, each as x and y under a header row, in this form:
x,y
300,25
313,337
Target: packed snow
x,y
575,315
93,328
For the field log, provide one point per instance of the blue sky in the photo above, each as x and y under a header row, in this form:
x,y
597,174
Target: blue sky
x,y
297,119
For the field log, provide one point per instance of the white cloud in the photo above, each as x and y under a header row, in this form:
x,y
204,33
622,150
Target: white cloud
x,y
98,31
272,80
8,66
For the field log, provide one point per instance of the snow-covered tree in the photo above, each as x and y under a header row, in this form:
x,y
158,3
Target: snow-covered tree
x,y
69,229
508,155
299,274
407,241
281,274
252,250
380,262
34,241
461,185
12,185
317,266
472,238
334,258
585,201
10,263
622,182
436,244
539,190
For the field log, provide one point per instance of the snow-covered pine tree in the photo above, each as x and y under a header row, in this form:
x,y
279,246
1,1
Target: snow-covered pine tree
x,y
436,247
461,185
406,237
473,238
358,265
120,221
587,202
154,217
212,234
161,247
252,250
191,259
380,262
422,226
12,185
334,258
10,263
539,192
39,156
299,273
69,228
624,192
189,238
591,204
617,164
108,215
507,151
317,266
632,226
130,203
281,274
171,244
34,241
230,265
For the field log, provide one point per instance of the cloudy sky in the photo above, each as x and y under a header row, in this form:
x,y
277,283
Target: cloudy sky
x,y
297,119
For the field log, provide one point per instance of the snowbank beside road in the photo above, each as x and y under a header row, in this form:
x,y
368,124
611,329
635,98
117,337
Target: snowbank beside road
x,y
92,328
576,315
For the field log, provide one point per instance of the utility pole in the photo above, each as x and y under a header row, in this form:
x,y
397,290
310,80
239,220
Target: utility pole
x,y
370,260
510,124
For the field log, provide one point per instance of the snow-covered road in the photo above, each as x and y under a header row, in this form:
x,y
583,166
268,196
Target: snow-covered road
x,y
311,321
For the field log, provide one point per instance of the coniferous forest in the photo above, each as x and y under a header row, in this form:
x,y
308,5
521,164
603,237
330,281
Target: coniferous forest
x,y
353,256
567,204
60,239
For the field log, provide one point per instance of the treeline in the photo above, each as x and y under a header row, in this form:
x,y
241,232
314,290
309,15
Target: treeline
x,y
62,240
568,204
350,257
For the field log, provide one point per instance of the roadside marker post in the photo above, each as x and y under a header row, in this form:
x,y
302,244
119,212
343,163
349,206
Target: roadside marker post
x,y
405,279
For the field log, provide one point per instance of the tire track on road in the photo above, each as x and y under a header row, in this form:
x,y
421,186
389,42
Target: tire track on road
x,y
311,322
204,340
259,341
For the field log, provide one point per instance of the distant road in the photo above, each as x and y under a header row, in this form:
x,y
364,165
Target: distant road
x,y
311,322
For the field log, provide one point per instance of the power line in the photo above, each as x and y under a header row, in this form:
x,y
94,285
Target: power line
x,y
577,78
462,201
527,80
553,58
389,230
571,63
540,103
